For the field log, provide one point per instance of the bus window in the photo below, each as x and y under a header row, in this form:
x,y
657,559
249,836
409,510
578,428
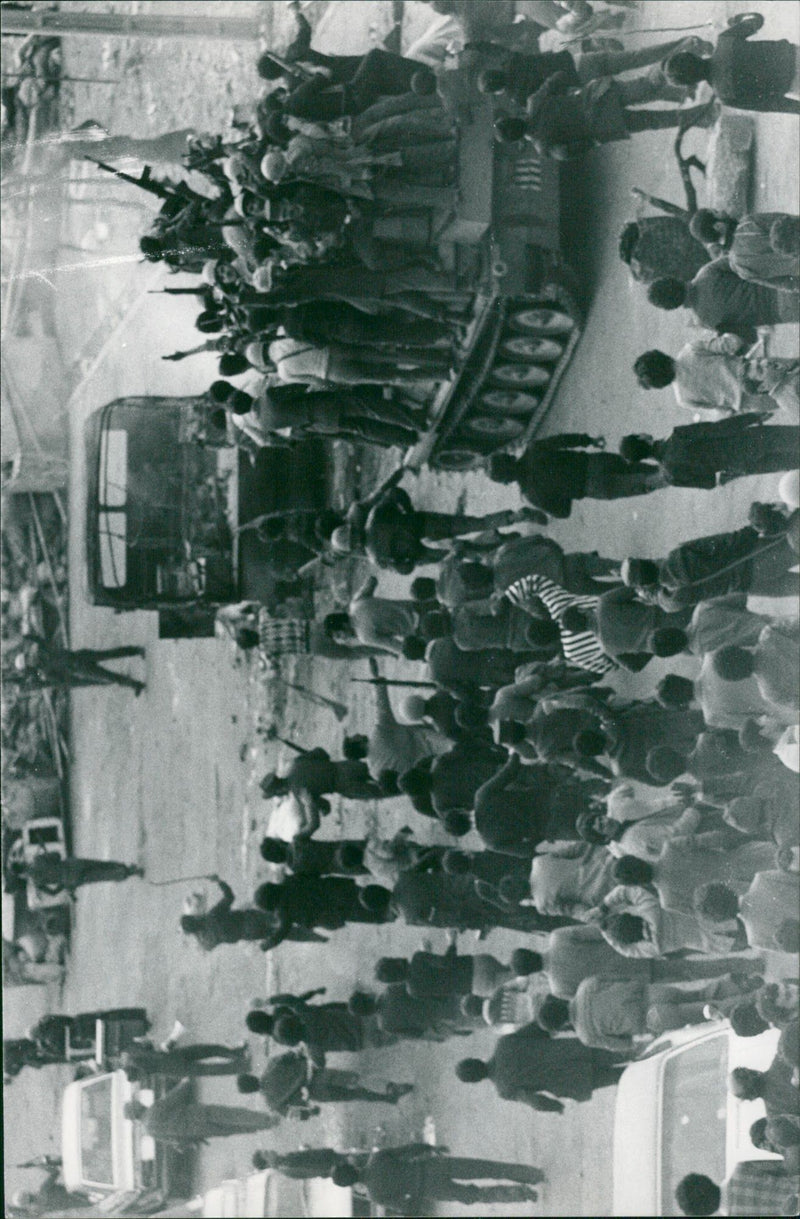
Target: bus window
x,y
113,468
112,539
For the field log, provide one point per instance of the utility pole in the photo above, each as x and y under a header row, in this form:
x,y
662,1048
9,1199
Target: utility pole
x,y
121,25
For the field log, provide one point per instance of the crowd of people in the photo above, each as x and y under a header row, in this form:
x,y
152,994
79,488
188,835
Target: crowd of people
x,y
651,844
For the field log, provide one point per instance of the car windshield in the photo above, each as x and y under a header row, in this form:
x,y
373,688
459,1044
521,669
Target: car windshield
x,y
96,1149
694,1116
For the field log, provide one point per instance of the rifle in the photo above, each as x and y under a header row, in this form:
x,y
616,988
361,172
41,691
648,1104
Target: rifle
x,y
145,182
290,69
393,681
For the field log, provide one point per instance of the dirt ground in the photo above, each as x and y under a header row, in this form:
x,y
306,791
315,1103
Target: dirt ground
x,y
170,780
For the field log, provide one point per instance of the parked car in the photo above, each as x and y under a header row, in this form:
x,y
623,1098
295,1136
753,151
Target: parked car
x,y
103,1153
674,1115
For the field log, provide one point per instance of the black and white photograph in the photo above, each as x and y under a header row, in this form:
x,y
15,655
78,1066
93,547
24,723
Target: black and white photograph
x,y
400,608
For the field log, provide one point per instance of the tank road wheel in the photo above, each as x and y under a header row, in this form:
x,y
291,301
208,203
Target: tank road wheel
x,y
506,402
495,428
529,347
542,321
519,376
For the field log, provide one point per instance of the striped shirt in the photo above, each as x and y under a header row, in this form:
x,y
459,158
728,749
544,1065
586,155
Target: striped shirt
x,y
580,648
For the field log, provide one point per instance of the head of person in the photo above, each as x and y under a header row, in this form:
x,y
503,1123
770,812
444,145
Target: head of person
x,y
686,69
732,663
667,293
362,1004
272,785
342,540
345,1175
787,937
435,624
246,1084
274,850
513,889
267,68
152,247
338,627
260,1022
746,1020
524,961
472,1070
416,783
589,743
777,1001
413,708
134,1110
553,1014
509,129
375,898
391,969
246,638
502,468
746,814
767,519
667,641
413,647
751,738
268,896
715,902
697,1194
639,573
637,446
745,1083
758,1135
492,80
472,1006
596,827
276,129
630,870
622,927
654,369
782,1132
289,1029
457,863
628,239
665,763
575,620
457,823
209,322
221,391
675,691
350,855
356,747
232,364
510,732
422,588
192,924
262,1160
712,228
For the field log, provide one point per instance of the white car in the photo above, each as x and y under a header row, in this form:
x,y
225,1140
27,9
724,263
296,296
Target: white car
x,y
674,1115
103,1153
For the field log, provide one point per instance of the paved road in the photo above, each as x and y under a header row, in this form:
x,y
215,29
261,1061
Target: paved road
x,y
169,780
